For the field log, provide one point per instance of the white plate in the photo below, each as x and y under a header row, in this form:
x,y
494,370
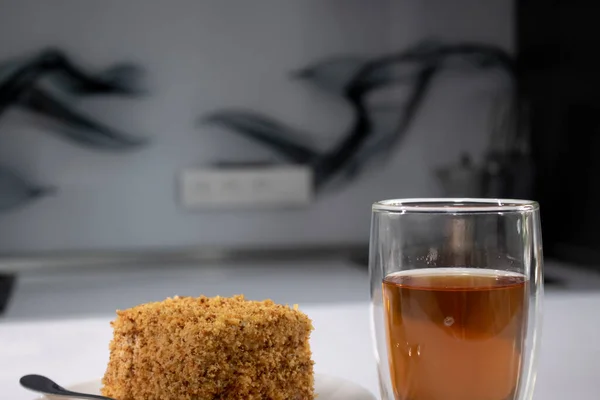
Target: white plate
x,y
327,387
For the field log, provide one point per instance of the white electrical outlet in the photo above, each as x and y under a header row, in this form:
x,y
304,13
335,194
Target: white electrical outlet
x,y
249,187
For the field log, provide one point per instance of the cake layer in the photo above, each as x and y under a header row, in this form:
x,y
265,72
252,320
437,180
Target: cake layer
x,y
203,348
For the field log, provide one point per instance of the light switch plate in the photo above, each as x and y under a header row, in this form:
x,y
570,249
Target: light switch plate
x,y
247,187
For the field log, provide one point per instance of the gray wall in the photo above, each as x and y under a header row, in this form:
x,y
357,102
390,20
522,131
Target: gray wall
x,y
203,55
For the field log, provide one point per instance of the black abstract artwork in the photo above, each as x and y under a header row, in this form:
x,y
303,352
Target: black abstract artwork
x,y
46,85
376,128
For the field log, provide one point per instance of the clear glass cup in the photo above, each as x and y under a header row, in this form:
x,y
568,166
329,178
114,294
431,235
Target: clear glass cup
x,y
456,291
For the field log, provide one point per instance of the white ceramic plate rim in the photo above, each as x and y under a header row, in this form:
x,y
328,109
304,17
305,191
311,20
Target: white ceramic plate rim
x,y
327,387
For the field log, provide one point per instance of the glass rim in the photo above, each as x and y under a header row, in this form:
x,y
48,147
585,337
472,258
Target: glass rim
x,y
443,205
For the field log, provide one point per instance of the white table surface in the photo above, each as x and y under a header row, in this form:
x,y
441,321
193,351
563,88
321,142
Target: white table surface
x,y
75,350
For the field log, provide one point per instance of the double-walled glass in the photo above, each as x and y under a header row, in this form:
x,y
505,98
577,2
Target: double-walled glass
x,y
456,290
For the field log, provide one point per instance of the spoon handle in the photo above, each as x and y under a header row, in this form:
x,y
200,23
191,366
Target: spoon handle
x,y
39,383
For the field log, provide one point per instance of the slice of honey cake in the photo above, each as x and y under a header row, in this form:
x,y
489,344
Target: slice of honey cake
x,y
186,348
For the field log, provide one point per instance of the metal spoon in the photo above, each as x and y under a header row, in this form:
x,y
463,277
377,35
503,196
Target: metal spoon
x,y
39,383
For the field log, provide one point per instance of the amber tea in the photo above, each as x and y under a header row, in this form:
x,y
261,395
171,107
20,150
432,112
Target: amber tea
x,y
455,333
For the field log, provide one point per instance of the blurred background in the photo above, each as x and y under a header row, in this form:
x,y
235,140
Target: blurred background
x,y
152,148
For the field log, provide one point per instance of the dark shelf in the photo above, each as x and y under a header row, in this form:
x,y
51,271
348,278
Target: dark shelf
x,y
7,283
